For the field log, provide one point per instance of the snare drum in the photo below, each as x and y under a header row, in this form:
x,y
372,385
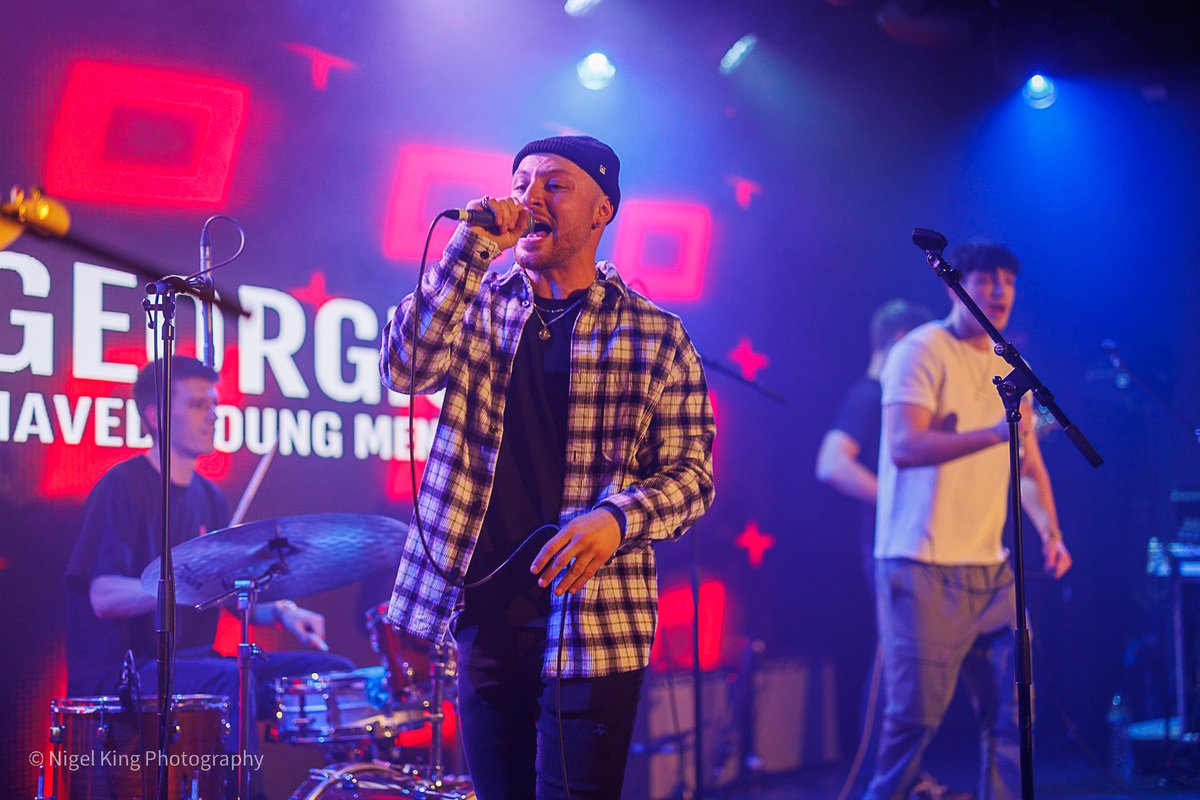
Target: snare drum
x,y
341,707
104,752
378,781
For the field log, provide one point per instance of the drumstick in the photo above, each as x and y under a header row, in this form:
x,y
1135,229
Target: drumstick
x,y
252,486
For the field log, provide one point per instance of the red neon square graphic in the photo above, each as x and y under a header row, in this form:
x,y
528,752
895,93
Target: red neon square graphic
x,y
428,180
663,246
143,136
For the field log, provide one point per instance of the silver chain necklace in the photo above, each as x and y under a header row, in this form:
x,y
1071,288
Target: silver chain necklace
x,y
544,333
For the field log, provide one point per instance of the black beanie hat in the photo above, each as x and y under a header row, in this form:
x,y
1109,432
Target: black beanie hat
x,y
591,155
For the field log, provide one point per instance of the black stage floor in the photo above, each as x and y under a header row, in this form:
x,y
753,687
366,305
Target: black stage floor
x,y
1059,771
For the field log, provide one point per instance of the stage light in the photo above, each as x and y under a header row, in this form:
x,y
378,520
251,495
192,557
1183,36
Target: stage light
x,y
596,71
578,8
737,53
1039,92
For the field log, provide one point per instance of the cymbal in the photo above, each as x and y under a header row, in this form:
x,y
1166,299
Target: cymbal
x,y
318,552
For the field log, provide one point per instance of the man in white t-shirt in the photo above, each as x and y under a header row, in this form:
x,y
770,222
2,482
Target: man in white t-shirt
x,y
946,602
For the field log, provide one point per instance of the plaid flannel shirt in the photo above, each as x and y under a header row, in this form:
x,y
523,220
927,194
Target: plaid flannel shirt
x,y
640,433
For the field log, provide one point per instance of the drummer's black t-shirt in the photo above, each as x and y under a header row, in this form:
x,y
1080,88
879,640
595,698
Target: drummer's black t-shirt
x,y
120,536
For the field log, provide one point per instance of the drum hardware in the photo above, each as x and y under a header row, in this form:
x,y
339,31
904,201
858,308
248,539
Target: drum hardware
x,y
284,558
378,780
439,661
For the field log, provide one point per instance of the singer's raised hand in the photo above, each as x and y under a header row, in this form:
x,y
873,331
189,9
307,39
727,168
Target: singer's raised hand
x,y
512,220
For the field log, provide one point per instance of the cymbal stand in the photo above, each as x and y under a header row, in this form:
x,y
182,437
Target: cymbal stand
x,y
438,674
247,591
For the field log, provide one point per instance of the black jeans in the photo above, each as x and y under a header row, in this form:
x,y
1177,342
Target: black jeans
x,y
511,728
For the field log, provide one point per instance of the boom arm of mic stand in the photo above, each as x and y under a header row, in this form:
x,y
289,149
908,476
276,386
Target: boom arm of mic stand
x,y
1022,378
729,372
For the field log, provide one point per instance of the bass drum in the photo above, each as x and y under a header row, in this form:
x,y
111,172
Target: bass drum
x,y
376,780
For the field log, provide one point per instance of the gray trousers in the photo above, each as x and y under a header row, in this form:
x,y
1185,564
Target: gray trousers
x,y
938,624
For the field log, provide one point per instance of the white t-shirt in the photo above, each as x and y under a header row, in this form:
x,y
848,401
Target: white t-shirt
x,y
954,512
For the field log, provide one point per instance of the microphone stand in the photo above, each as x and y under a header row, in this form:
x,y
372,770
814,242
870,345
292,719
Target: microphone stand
x,y
49,219
162,302
1011,388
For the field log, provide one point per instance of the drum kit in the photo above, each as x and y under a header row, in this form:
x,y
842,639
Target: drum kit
x,y
354,717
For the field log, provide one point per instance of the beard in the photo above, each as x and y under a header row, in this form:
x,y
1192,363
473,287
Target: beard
x,y
553,251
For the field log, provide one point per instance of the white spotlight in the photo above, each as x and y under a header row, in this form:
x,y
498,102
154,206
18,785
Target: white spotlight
x,y
595,71
737,53
577,8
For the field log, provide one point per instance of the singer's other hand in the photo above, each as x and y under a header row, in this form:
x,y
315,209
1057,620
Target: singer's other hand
x,y
582,547
512,220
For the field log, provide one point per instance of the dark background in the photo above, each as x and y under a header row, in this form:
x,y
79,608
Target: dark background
x,y
856,120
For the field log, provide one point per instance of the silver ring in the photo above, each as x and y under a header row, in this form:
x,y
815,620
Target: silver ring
x,y
487,201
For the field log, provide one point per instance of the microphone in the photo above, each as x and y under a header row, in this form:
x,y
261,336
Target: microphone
x,y
483,217
206,310
129,680
929,240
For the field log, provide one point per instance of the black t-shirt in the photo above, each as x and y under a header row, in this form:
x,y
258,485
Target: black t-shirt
x,y
860,418
120,536
527,490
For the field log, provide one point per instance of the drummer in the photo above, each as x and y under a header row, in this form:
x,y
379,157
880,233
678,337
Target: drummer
x,y
110,613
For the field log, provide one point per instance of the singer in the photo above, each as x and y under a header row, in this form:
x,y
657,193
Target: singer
x,y
110,613
945,598
571,400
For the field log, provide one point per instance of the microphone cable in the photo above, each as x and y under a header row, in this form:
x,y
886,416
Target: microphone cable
x,y
460,583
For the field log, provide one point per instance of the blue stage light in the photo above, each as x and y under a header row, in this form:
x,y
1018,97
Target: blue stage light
x,y
596,71
1039,92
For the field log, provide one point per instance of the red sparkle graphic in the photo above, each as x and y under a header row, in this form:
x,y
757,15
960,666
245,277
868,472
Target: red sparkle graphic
x,y
322,63
141,136
744,189
314,293
745,357
755,543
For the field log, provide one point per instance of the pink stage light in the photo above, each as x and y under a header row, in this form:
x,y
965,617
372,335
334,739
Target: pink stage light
x,y
663,245
140,136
